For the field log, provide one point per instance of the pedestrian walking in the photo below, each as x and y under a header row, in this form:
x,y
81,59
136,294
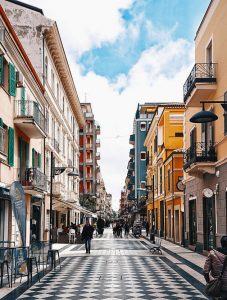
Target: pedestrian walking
x,y
87,235
100,226
126,229
214,266
147,228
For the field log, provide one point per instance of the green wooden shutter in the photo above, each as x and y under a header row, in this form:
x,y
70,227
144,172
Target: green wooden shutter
x,y
11,146
27,155
39,160
1,122
12,80
33,158
1,70
23,108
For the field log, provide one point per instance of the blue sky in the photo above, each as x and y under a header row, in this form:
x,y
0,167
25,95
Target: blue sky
x,y
121,53
181,17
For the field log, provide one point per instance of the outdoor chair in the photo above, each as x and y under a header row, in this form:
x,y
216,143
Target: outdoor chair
x,y
4,262
156,249
72,233
52,256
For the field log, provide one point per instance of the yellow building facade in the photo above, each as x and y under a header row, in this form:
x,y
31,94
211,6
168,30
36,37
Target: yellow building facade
x,y
206,155
164,144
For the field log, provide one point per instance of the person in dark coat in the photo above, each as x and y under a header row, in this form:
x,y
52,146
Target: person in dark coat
x,y
100,226
213,266
147,228
87,235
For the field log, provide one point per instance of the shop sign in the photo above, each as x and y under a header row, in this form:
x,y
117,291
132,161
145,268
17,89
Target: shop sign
x,y
21,256
17,197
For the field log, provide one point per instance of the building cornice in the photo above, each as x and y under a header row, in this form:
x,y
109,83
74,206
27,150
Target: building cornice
x,y
57,52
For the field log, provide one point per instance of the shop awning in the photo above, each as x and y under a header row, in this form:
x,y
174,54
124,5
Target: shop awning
x,y
69,205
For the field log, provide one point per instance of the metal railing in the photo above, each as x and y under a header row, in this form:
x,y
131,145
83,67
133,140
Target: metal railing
x,y
34,178
199,152
201,72
2,139
30,109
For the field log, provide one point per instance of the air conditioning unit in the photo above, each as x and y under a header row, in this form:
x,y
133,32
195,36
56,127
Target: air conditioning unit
x,y
19,79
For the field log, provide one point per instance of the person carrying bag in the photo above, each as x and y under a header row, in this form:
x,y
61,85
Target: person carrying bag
x,y
215,272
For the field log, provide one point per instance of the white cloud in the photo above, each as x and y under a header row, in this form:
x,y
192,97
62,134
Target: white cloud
x,y
85,24
158,75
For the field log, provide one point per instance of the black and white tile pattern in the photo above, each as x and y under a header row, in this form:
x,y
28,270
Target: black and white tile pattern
x,y
113,277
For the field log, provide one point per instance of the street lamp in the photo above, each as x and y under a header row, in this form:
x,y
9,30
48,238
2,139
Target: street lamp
x,y
205,116
56,171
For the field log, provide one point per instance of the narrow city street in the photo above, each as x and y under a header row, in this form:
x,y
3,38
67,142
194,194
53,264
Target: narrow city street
x,y
117,269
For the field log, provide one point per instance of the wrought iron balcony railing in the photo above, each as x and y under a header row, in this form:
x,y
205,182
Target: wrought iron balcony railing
x,y
31,109
199,152
34,178
200,73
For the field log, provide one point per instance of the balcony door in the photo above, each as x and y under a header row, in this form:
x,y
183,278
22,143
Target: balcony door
x,y
23,157
192,222
209,223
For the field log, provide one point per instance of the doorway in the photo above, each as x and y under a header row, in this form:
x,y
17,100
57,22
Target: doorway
x,y
192,222
209,223
176,226
162,219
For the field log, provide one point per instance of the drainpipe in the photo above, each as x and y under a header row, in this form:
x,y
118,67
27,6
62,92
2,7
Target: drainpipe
x,y
173,200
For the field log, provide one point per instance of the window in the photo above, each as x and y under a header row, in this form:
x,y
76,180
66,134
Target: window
x,y
160,178
156,144
143,126
36,159
168,179
143,184
52,81
46,68
57,92
143,155
179,134
209,53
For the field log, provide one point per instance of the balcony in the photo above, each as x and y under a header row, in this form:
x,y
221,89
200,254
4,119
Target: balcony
x,y
89,130
89,161
89,115
200,159
89,177
33,181
70,163
89,146
132,180
3,154
132,139
72,196
98,156
29,119
58,189
97,129
97,143
132,152
200,83
55,145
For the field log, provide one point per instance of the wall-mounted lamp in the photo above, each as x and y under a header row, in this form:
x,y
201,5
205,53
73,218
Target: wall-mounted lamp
x,y
205,116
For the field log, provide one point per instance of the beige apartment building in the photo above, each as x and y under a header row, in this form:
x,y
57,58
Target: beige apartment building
x,y
205,161
42,42
22,136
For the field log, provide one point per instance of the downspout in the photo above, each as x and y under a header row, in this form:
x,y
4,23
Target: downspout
x,y
173,199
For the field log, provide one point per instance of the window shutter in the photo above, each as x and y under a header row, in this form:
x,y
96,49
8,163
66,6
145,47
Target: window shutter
x,y
20,155
23,101
12,80
1,70
11,146
39,160
27,155
33,158
1,122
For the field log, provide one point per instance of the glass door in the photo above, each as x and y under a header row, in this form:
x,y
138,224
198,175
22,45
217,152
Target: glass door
x,y
192,222
209,223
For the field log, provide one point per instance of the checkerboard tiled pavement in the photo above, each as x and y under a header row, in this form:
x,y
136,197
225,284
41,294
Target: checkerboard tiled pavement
x,y
116,269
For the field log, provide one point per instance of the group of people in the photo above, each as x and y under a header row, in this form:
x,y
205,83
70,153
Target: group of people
x,y
118,228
